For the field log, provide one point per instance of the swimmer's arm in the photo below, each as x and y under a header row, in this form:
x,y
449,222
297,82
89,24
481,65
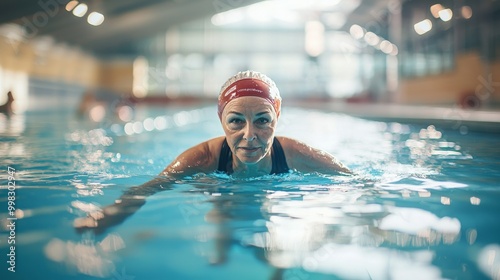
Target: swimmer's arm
x,y
305,158
195,160
131,201
198,159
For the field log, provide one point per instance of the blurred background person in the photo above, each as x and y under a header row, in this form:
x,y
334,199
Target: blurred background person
x,y
6,108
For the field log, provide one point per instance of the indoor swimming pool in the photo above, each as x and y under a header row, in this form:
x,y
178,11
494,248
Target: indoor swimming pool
x,y
422,205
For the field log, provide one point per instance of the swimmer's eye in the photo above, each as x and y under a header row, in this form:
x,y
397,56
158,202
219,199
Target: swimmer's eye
x,y
262,121
236,121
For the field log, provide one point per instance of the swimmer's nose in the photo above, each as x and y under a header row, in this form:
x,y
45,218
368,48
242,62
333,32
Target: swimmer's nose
x,y
249,133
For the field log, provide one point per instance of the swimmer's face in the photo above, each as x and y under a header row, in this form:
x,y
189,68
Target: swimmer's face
x,y
249,124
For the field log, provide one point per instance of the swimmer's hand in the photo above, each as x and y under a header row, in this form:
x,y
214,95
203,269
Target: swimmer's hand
x,y
110,216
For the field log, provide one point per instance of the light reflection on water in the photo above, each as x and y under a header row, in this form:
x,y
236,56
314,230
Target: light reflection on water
x,y
400,217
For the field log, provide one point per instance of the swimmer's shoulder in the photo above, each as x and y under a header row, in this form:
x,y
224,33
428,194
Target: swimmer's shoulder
x,y
213,147
302,157
203,157
209,151
290,145
297,153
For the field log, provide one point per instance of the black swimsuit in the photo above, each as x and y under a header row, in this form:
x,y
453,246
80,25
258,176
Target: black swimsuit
x,y
277,156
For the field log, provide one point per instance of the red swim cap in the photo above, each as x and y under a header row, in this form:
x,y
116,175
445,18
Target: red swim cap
x,y
249,83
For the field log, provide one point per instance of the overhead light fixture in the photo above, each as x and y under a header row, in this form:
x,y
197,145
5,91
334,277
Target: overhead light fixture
x,y
95,18
80,10
423,26
371,38
71,5
315,38
466,12
386,47
435,9
395,50
356,31
446,14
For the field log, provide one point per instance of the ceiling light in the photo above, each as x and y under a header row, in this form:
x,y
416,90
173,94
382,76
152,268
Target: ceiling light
x,y
356,31
71,5
95,18
445,15
395,50
435,10
80,10
386,47
371,38
315,38
466,12
423,27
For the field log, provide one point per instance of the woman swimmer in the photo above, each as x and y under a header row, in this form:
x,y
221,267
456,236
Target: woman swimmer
x,y
249,107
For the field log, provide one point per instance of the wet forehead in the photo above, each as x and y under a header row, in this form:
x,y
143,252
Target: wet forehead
x,y
249,105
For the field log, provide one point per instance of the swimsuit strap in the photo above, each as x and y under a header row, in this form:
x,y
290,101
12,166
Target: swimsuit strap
x,y
277,157
225,157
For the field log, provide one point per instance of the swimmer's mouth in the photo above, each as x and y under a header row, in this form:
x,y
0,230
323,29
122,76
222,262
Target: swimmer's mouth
x,y
250,148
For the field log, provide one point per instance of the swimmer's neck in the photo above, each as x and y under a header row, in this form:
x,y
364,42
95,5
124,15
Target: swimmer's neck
x,y
260,168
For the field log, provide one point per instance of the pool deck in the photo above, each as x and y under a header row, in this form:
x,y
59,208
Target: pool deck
x,y
484,120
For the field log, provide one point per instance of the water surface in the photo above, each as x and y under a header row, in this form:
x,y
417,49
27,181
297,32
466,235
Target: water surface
x,y
423,204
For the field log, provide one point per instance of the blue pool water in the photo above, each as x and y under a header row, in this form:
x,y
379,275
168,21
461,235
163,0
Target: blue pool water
x,y
423,205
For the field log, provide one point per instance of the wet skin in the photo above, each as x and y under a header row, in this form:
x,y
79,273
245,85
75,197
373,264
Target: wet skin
x,y
249,124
